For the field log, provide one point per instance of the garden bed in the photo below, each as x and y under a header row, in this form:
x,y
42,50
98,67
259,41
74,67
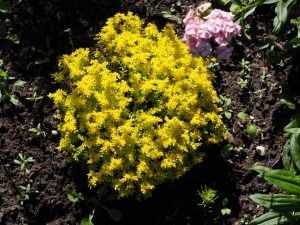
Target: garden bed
x,y
49,29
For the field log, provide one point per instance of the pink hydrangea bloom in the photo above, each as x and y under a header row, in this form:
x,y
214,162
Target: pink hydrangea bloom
x,y
189,17
203,31
217,13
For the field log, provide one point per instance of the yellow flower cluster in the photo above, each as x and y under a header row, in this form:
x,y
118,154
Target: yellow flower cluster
x,y
138,108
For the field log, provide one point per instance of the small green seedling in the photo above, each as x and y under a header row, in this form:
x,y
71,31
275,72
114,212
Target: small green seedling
x,y
226,102
26,192
34,98
225,210
23,162
38,130
213,66
251,128
4,86
74,197
228,114
244,83
88,221
246,69
208,196
242,115
175,6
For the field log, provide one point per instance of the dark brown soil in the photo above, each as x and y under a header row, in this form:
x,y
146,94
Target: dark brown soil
x,y
48,29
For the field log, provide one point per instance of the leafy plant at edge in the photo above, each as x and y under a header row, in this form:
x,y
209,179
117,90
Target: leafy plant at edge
x,y
242,9
6,8
4,85
102,196
285,207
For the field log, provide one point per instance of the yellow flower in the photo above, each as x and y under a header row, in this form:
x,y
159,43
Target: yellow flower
x,y
137,108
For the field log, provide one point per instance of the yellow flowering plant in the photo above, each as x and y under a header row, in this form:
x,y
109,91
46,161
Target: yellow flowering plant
x,y
137,108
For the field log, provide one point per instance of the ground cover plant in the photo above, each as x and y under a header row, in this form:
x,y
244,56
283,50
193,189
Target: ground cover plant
x,y
257,87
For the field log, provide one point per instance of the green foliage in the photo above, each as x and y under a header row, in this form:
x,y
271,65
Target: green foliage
x,y
26,192
34,98
5,81
23,162
38,130
137,109
74,197
208,196
88,221
291,153
6,8
251,129
243,8
285,208
225,210
295,42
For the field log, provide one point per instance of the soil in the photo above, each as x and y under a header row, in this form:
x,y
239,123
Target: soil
x,y
48,29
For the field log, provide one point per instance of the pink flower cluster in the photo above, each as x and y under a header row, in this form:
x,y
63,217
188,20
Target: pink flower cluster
x,y
205,29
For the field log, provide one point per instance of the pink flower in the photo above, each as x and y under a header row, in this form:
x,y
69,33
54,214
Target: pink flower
x,y
201,31
192,28
213,26
221,40
224,52
189,17
217,13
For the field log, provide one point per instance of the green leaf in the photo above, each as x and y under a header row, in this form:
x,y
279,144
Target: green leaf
x,y
276,25
281,178
5,7
235,8
295,149
30,159
170,17
88,221
270,218
278,202
293,130
270,2
13,38
289,104
74,196
17,162
242,115
225,211
228,115
295,123
249,12
261,169
20,83
224,2
281,11
251,129
14,99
